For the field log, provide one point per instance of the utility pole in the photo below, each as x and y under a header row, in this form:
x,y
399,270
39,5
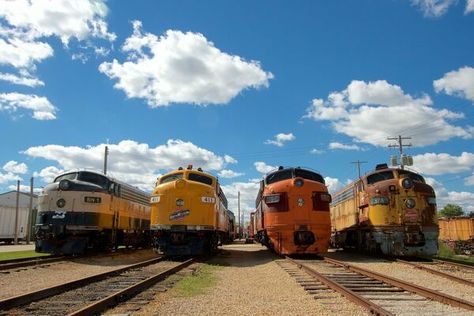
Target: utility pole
x,y
400,146
238,210
358,162
17,210
30,213
106,154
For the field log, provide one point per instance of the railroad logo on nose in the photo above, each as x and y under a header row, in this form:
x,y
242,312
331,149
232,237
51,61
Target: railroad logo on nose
x,y
300,201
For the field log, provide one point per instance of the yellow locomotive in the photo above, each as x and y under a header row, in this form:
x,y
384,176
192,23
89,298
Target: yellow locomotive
x,y
85,209
189,213
389,210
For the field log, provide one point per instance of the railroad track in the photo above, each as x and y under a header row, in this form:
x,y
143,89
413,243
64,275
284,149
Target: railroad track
x,y
93,294
453,271
27,262
380,294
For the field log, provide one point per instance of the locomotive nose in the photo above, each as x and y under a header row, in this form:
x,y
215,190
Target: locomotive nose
x,y
304,238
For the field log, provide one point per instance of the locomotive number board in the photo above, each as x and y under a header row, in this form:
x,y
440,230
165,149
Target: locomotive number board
x,y
92,199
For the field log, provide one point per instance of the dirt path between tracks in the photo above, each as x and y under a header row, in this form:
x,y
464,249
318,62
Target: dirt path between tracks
x,y
247,281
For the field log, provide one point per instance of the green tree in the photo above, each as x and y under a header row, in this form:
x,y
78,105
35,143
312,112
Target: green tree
x,y
451,210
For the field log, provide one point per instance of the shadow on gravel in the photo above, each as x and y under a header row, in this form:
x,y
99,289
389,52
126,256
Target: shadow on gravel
x,y
234,257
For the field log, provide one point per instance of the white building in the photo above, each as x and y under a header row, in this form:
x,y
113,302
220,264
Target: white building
x,y
8,215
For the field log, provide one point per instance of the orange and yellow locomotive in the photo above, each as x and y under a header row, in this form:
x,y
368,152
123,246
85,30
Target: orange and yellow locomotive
x,y
292,212
389,210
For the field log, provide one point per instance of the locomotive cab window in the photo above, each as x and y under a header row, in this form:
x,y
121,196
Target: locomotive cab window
x,y
171,177
68,176
309,175
279,175
200,178
94,178
381,176
415,177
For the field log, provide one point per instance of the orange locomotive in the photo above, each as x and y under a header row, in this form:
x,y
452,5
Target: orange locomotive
x,y
292,212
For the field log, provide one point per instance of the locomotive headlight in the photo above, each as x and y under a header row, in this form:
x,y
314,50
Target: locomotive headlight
x,y
64,184
325,197
410,203
431,200
274,198
407,183
299,183
179,202
61,203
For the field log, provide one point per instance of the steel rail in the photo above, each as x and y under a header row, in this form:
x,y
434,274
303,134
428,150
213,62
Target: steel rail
x,y
125,294
455,264
26,259
349,294
29,262
423,291
436,272
26,298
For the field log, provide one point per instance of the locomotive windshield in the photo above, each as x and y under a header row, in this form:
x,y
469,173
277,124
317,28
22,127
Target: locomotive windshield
x,y
171,177
68,176
415,177
200,178
94,178
380,176
310,175
279,175
285,174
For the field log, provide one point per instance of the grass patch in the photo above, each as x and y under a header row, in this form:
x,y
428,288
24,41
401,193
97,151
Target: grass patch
x,y
20,254
198,283
446,253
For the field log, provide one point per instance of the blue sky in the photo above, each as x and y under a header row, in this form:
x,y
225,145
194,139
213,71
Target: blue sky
x,y
237,88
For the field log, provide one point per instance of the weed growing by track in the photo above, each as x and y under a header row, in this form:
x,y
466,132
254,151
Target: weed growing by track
x,y
447,253
198,283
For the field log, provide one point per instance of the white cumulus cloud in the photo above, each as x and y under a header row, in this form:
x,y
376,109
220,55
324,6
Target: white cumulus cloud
x,y
26,24
336,145
262,167
370,112
248,194
444,196
281,139
229,174
433,8
41,107
15,167
28,81
129,161
333,184
20,53
65,19
443,163
180,67
469,6
48,174
458,82
469,180
8,177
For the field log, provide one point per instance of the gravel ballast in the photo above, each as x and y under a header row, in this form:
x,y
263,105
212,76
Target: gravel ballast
x,y
249,282
22,280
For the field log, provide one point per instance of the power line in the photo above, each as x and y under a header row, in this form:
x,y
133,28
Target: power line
x,y
358,162
400,146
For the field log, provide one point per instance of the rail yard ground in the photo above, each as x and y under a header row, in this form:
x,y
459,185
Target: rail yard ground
x,y
243,279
